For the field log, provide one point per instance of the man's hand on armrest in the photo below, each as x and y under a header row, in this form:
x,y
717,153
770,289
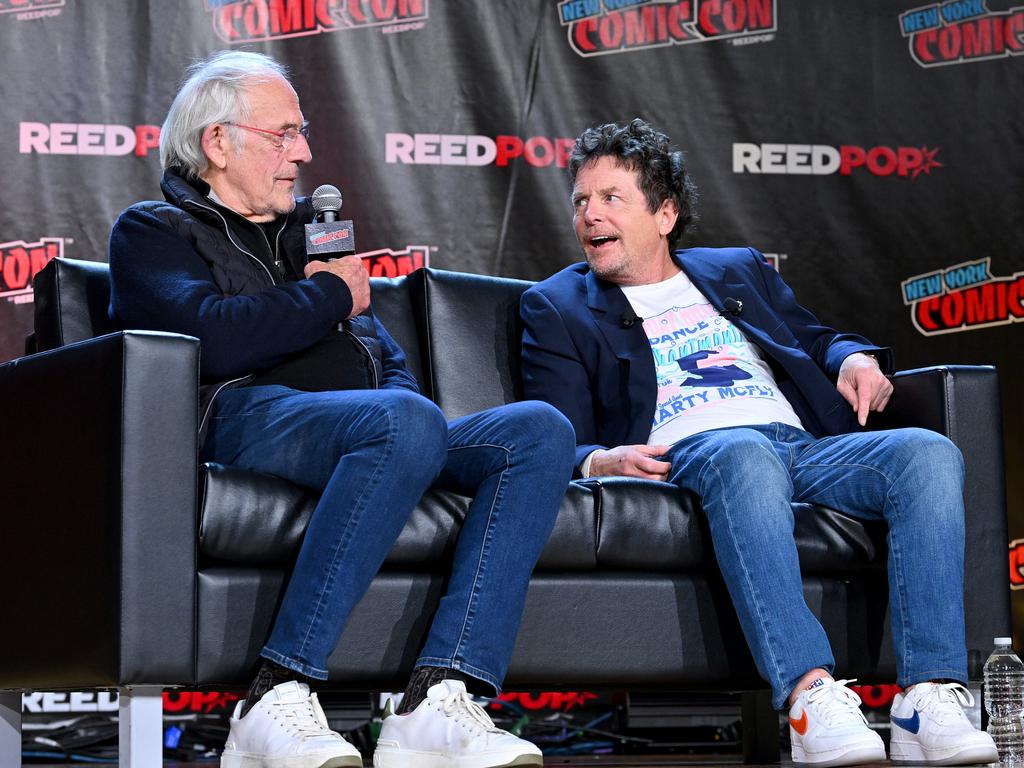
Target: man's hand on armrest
x,y
863,385
351,270
630,461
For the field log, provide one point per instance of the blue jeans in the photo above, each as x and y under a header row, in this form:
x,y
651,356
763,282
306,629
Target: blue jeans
x,y
372,454
910,478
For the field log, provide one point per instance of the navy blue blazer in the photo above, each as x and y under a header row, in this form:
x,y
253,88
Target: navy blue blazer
x,y
579,356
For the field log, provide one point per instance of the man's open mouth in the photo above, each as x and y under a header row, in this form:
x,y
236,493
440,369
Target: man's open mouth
x,y
600,240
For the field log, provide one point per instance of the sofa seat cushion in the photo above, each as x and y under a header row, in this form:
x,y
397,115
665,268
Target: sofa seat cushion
x,y
257,519
648,525
609,523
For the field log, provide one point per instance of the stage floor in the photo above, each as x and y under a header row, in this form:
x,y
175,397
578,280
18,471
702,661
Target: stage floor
x,y
594,761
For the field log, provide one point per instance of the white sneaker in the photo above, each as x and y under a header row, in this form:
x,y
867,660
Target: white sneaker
x,y
826,727
286,729
449,730
929,726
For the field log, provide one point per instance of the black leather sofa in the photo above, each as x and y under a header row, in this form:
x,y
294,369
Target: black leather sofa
x,y
123,568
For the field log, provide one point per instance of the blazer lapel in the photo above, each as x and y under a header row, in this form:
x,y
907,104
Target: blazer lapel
x,y
636,381
710,279
609,305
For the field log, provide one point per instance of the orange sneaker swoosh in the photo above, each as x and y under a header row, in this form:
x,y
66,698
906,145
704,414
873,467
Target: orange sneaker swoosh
x,y
800,726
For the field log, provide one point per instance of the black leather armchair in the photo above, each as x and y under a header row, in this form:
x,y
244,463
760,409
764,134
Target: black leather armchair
x,y
126,569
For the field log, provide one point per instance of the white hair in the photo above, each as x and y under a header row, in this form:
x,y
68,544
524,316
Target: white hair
x,y
216,90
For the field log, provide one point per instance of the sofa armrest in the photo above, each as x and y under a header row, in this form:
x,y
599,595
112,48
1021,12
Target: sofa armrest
x,y
962,402
99,512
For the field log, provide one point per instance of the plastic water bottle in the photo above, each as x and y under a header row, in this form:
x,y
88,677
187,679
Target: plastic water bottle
x,y
1004,701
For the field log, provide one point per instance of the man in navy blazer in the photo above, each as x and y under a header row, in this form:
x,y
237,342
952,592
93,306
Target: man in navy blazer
x,y
698,367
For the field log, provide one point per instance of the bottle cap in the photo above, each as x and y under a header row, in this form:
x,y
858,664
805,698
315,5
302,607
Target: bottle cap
x,y
1003,641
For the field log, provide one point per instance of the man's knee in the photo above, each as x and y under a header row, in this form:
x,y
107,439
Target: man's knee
x,y
540,432
928,476
538,419
415,419
410,409
922,450
413,428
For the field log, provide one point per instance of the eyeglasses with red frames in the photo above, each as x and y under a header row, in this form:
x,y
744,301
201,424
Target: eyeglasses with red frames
x,y
280,139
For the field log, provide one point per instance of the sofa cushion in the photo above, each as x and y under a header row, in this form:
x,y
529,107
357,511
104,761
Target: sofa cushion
x,y
249,517
391,304
655,526
619,523
471,340
257,519
648,524
71,298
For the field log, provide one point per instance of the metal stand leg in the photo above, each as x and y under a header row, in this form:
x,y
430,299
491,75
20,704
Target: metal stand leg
x,y
10,729
760,728
140,727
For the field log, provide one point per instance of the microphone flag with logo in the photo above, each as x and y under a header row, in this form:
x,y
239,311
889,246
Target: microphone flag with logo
x,y
326,236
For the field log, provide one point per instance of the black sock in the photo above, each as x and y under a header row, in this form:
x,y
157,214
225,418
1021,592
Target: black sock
x,y
423,678
269,675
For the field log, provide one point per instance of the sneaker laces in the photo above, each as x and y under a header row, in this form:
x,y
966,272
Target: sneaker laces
x,y
461,703
945,702
836,704
299,718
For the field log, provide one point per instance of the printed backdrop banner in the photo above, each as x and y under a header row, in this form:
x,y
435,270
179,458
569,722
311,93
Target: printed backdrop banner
x,y
871,149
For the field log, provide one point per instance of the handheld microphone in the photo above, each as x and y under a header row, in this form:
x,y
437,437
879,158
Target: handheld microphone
x,y
327,237
629,317
326,201
733,306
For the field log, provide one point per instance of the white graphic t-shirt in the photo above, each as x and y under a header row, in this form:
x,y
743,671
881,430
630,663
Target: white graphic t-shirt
x,y
709,375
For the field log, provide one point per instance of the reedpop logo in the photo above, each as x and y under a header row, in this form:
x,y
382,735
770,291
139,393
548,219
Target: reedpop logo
x,y
472,150
87,139
822,160
27,10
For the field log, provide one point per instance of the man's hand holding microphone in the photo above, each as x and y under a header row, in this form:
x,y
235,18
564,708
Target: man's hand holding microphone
x,y
351,270
330,244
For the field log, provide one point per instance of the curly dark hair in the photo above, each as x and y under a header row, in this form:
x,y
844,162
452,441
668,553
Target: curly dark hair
x,y
638,147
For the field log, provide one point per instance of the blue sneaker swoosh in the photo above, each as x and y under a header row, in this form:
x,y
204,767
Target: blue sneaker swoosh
x,y
911,724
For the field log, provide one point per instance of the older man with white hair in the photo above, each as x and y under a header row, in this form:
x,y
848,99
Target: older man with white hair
x,y
287,392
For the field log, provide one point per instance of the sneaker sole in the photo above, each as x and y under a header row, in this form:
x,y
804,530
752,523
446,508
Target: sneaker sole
x,y
872,754
911,753
241,760
411,759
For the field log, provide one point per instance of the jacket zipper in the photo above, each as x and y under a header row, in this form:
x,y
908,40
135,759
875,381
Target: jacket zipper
x,y
274,249
277,242
209,404
360,342
227,230
231,237
278,261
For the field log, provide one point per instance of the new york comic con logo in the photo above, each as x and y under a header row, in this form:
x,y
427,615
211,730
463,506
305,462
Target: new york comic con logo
x,y
963,297
244,21
597,27
961,31
388,263
1017,564
21,261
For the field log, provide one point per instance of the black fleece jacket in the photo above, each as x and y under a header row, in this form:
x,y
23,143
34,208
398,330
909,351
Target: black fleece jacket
x,y
187,265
